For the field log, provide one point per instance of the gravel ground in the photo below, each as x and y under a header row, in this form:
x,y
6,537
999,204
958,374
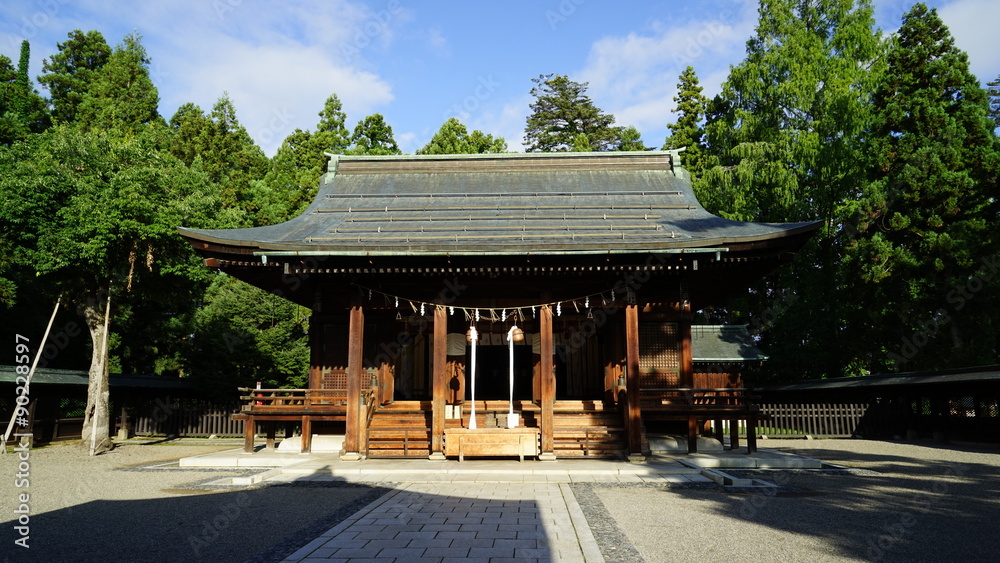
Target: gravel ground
x,y
906,502
115,507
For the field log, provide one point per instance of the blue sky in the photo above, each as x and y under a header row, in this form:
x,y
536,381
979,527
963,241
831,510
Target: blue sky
x,y
419,63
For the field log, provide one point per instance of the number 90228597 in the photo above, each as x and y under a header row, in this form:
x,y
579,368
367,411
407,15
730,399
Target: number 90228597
x,y
21,359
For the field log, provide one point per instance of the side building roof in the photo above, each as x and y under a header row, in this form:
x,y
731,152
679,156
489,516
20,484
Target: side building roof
x,y
723,343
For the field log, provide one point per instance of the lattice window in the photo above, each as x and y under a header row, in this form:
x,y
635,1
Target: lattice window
x,y
659,355
334,380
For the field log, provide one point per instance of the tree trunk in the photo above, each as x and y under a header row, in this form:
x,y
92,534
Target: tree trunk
x,y
98,407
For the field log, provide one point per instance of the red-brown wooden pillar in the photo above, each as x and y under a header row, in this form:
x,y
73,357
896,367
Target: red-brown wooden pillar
x,y
355,351
633,414
687,361
547,385
440,381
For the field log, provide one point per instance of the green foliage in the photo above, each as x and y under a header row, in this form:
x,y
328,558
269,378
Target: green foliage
x,y
792,113
454,138
295,171
220,146
786,143
688,132
924,224
993,92
581,143
631,140
22,110
69,73
243,335
121,94
373,136
562,110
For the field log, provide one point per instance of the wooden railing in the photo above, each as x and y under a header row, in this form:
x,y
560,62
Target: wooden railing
x,y
370,402
293,400
693,398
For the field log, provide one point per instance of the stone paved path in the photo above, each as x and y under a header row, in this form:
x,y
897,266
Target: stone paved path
x,y
462,522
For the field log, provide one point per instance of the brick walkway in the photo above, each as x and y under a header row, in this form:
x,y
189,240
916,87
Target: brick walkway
x,y
487,522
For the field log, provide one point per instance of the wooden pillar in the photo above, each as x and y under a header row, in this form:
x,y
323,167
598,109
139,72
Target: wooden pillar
x,y
440,381
692,434
248,434
355,351
547,385
269,444
687,362
307,433
633,414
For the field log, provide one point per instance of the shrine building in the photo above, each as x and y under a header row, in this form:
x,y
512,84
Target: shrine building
x,y
537,305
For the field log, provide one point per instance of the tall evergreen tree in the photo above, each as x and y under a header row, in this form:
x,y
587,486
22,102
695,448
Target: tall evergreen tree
x,y
22,110
926,221
331,133
688,131
785,144
295,171
581,143
993,91
454,138
373,136
221,146
562,110
121,95
631,140
68,73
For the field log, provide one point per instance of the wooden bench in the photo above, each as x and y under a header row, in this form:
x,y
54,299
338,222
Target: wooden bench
x,y
695,404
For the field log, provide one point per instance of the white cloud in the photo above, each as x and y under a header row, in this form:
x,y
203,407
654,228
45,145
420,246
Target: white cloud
x,y
278,63
279,66
438,42
634,77
973,23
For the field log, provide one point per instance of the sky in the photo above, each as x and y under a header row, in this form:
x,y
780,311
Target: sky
x,y
419,63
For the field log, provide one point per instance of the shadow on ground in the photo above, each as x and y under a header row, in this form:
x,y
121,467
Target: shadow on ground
x,y
927,503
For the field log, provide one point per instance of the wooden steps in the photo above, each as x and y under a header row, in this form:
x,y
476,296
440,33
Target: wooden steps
x,y
589,433
401,430
580,428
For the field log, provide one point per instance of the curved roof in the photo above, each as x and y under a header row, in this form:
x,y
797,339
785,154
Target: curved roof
x,y
500,204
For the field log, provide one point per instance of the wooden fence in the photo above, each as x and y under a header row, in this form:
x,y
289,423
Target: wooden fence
x,y
183,418
808,419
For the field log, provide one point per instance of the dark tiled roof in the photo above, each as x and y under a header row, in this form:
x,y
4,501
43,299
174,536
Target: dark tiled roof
x,y
501,204
723,343
47,376
972,375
